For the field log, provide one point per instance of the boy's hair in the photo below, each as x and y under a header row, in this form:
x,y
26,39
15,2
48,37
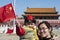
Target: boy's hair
x,y
29,21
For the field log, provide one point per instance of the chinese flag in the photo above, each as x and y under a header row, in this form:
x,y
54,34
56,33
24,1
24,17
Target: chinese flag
x,y
7,13
1,11
9,31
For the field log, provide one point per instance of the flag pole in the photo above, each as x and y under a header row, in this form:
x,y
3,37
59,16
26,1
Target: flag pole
x,y
14,25
14,4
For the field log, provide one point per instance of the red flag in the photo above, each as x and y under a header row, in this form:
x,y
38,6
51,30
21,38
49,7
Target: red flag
x,y
1,11
8,12
9,31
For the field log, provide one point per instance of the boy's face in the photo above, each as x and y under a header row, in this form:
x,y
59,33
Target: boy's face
x,y
31,25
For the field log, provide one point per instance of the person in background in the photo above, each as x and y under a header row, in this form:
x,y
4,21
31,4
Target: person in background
x,y
30,29
45,31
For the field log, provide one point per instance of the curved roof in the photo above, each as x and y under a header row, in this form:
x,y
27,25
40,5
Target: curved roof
x,y
42,10
41,14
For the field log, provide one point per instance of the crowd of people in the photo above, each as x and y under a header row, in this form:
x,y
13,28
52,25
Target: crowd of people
x,y
29,31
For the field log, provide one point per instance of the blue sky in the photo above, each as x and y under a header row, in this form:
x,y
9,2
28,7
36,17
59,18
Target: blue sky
x,y
21,5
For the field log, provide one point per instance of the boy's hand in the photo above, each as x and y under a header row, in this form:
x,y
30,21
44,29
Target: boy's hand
x,y
18,23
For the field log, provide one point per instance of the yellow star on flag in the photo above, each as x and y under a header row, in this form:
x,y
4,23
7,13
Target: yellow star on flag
x,y
10,8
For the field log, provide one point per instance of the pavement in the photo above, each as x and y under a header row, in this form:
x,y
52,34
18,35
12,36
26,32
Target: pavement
x,y
9,37
57,32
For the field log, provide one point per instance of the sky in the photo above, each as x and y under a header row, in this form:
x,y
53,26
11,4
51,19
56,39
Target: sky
x,y
21,5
